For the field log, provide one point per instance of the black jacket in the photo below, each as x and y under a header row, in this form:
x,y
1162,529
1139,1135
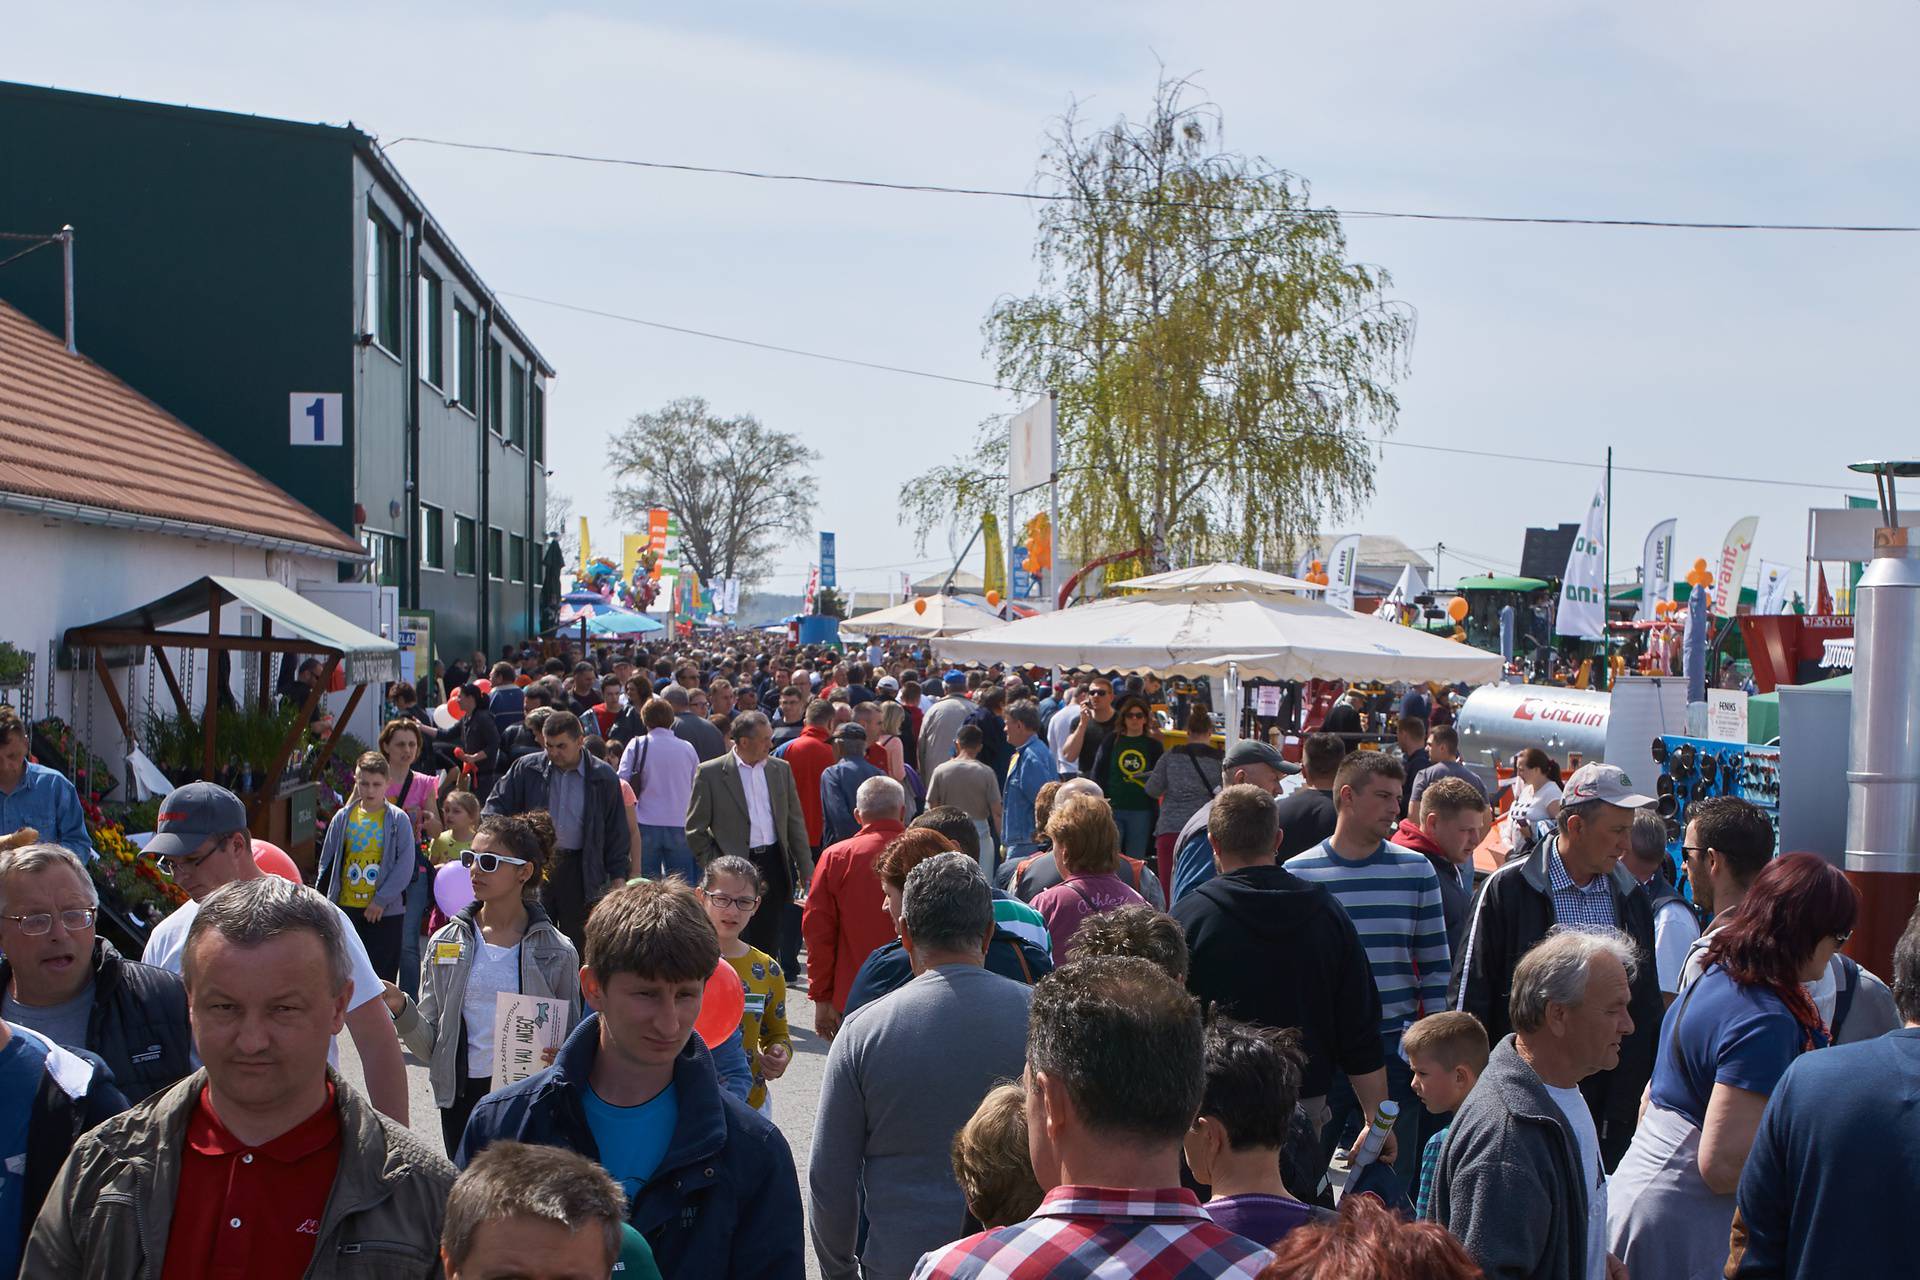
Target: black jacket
x,y
1306,818
724,1201
138,1025
76,1093
606,852
707,742
480,734
1512,911
1272,949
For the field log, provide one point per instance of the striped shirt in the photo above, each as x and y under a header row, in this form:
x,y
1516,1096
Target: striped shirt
x,y
1010,915
1393,898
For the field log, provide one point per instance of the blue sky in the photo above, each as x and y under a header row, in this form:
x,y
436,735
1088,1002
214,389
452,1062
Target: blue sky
x,y
1772,355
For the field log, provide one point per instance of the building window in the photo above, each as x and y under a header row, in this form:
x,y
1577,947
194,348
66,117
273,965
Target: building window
x,y
517,558
465,348
383,282
517,404
496,554
385,550
496,420
463,545
538,412
433,547
432,331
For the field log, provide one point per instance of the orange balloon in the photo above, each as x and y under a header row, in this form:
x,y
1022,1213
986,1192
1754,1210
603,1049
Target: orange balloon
x,y
920,605
1457,609
721,1005
456,708
993,598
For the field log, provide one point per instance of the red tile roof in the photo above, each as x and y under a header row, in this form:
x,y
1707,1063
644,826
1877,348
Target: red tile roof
x,y
72,432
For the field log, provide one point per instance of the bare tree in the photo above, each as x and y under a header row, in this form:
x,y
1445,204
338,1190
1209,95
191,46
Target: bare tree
x,y
738,488
559,513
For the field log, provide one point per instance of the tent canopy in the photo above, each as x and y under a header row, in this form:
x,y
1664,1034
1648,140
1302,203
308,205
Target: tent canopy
x,y
944,616
1270,636
622,624
298,624
1218,576
1502,584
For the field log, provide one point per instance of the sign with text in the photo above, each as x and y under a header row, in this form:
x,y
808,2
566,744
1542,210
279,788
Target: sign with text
x,y
827,575
1727,715
523,1028
315,418
1266,701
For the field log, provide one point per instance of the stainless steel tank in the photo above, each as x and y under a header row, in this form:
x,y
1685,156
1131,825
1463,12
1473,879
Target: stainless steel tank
x,y
1501,719
1883,764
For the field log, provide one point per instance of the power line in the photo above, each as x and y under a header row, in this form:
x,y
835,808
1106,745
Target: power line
x,y
926,188
24,252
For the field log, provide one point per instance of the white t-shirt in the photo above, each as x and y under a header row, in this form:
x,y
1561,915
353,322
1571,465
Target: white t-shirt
x,y
1531,806
1059,729
169,939
1674,929
495,969
1573,1105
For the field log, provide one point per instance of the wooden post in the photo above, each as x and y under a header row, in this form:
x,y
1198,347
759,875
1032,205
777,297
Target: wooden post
x,y
268,785
173,681
212,709
266,663
339,725
113,697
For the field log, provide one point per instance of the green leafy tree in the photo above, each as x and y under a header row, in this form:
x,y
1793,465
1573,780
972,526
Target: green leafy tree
x,y
830,603
738,487
1222,368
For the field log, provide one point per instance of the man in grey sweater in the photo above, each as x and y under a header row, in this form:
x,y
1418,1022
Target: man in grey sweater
x,y
904,1074
1519,1177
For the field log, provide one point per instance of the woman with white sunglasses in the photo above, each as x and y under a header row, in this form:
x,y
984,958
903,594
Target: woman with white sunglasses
x,y
503,941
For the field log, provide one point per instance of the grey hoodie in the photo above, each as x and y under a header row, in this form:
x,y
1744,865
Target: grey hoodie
x,y
1509,1181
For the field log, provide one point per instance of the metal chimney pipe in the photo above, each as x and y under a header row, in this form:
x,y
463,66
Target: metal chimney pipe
x,y
1882,856
66,252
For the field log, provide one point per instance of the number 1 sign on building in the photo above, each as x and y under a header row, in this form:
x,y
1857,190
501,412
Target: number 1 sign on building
x,y
314,417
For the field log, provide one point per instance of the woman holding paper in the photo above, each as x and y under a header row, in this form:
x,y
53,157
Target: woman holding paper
x,y
501,944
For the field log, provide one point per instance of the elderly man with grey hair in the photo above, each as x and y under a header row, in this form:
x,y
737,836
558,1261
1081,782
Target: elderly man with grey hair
x,y
693,728
263,1162
845,920
1520,1179
905,1073
1675,924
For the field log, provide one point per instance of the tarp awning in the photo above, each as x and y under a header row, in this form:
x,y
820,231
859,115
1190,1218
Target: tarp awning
x,y
1502,584
940,616
365,657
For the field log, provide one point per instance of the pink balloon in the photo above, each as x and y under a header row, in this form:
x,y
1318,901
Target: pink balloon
x,y
452,889
273,860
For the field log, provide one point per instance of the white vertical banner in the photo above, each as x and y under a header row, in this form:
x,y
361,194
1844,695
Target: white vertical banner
x,y
1032,448
1402,594
1583,607
1656,568
1343,567
1304,565
1732,573
1775,583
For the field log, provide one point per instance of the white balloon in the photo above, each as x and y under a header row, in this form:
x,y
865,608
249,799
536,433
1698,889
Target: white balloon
x,y
443,717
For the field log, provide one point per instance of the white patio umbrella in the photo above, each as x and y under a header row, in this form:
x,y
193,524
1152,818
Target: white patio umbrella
x,y
1274,636
943,616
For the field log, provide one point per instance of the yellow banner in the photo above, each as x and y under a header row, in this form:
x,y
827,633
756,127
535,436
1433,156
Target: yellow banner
x,y
631,547
586,552
995,578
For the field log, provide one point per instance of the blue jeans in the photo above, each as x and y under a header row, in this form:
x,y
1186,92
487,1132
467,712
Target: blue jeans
x,y
1345,1119
1136,831
664,852
419,897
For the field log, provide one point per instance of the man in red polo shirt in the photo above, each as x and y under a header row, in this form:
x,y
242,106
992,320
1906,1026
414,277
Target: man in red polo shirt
x,y
284,1170
846,919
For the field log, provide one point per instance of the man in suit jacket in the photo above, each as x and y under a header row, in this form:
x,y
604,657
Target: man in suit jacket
x,y
745,803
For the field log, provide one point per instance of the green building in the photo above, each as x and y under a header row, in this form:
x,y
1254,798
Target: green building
x,y
280,287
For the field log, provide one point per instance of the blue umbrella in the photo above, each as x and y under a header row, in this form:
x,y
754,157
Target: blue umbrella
x,y
622,624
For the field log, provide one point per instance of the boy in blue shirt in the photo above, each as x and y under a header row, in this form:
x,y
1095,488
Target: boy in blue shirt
x,y
1447,1052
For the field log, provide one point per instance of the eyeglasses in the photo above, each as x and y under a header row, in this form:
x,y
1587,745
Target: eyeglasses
x,y
1700,849
171,864
489,862
727,902
72,921
1136,715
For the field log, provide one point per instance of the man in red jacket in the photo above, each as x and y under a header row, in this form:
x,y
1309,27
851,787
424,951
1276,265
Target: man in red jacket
x,y
808,756
846,918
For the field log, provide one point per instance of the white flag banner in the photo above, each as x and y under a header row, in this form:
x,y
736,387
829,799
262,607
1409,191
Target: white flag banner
x,y
1732,573
1583,607
1656,569
1342,567
1776,583
1402,594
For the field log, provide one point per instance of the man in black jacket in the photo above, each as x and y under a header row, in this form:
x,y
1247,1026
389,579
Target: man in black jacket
x,y
59,978
1270,948
592,849
1573,878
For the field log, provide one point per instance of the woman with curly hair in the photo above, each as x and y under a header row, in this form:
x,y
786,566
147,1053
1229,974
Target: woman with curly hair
x,y
1723,1047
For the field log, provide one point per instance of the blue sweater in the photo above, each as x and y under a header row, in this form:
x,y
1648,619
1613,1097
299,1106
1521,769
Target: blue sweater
x,y
1393,898
725,1200
1827,1185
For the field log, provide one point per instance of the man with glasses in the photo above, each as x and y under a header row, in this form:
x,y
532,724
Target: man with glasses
x,y
1095,726
62,980
202,843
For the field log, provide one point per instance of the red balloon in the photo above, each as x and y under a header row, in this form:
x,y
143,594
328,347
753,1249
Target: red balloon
x,y
721,1005
273,860
486,686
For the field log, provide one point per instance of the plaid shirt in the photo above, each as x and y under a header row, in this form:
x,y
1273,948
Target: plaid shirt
x,y
1423,1207
1102,1232
1577,907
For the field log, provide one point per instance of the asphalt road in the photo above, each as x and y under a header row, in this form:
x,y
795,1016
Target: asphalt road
x,y
795,1096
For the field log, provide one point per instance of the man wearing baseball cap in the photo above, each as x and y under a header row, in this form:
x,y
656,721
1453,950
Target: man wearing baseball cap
x,y
1573,879
840,784
201,844
1248,762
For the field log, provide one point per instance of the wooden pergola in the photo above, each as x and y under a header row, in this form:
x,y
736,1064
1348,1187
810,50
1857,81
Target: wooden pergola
x,y
290,624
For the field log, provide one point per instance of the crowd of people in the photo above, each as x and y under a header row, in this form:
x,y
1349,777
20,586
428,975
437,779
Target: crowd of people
x,y
1096,1000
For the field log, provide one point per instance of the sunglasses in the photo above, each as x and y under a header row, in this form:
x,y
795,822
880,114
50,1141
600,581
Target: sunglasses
x,y
489,862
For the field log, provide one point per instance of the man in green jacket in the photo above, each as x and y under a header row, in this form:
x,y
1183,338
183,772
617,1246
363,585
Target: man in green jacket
x,y
264,1161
